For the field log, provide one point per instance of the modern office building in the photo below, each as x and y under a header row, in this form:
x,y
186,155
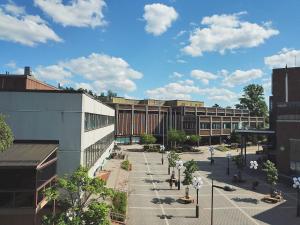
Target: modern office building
x,y
285,118
136,117
26,169
21,82
83,126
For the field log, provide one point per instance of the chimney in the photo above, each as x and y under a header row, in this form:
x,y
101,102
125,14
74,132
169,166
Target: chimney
x,y
27,71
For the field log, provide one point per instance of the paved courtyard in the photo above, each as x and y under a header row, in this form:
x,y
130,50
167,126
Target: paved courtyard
x,y
152,202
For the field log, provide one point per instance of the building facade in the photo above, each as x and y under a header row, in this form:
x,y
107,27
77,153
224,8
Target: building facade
x,y
83,126
285,118
136,117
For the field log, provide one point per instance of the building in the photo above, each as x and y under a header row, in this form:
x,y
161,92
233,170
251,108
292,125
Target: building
x,y
26,81
26,169
83,126
136,117
285,118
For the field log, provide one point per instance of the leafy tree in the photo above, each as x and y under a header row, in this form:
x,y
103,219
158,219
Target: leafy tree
x,y
75,210
272,174
172,158
148,139
190,168
6,135
216,106
194,139
239,162
253,99
176,136
235,138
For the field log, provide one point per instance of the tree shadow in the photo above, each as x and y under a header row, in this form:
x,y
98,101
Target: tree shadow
x,y
150,181
166,200
165,217
246,200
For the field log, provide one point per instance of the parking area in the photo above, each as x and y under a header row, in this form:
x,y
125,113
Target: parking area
x,y
151,201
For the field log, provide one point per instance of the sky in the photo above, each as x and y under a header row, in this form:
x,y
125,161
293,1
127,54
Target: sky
x,y
165,49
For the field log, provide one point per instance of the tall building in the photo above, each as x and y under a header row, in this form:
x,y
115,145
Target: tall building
x,y
26,81
83,126
136,117
285,118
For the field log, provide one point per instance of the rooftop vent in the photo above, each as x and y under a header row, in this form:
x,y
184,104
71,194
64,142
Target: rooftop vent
x,y
27,71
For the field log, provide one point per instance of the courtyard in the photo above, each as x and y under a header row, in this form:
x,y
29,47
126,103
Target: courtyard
x,y
151,201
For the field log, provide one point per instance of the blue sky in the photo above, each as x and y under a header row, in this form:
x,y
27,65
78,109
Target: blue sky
x,y
171,49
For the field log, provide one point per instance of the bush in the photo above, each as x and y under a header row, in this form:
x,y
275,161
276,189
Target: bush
x,y
119,202
148,139
152,148
125,165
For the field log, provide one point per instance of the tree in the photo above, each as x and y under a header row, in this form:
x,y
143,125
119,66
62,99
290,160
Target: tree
x,y
272,174
216,106
253,100
235,138
6,135
74,209
176,136
172,158
194,139
148,139
190,168
239,162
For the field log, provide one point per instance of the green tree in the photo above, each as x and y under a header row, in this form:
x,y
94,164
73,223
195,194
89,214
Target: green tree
x,y
253,99
194,139
6,135
172,158
190,168
75,210
239,162
235,138
176,136
148,139
272,174
216,106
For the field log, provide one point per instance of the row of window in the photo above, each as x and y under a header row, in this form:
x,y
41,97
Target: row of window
x,y
95,121
95,151
216,126
295,166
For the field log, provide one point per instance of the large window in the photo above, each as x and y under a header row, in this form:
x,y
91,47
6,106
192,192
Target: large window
x,y
216,126
94,152
226,125
95,121
204,126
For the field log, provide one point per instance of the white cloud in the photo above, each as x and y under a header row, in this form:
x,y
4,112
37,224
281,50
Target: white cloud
x,y
267,84
239,77
180,33
100,71
185,89
19,27
159,18
227,32
11,64
176,75
77,13
289,57
204,76
181,61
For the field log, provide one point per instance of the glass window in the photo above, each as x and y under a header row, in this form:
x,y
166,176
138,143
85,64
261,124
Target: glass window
x,y
95,121
216,126
204,126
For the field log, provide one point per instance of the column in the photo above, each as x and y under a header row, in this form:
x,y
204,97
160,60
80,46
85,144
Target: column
x,y
146,119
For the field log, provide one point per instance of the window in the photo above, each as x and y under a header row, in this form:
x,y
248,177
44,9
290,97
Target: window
x,y
95,151
216,126
204,126
226,125
235,125
95,121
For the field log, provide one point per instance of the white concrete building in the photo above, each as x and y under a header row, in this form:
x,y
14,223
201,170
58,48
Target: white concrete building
x,y
83,126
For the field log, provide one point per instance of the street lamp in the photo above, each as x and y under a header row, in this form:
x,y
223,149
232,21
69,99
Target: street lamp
x,y
254,166
179,165
228,156
212,151
296,185
162,149
197,184
168,156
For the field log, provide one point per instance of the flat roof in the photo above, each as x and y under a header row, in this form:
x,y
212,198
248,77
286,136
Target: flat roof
x,y
27,154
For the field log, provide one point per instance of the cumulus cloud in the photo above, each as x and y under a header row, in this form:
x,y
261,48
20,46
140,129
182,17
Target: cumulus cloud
x,y
176,75
186,88
204,76
227,32
159,18
100,71
239,77
284,57
77,13
19,27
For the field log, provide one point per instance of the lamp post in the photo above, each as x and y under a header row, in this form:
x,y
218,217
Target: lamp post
x,y
197,184
168,156
162,149
212,150
296,185
179,165
254,166
228,156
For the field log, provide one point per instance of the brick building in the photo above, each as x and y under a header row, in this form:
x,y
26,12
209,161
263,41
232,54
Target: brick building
x,y
136,117
285,118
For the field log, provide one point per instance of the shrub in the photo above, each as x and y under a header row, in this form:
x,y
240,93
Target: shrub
x,y
125,165
119,204
222,148
152,148
148,139
190,168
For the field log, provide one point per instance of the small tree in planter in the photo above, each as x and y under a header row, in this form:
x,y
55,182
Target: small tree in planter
x,y
194,139
272,175
176,136
6,135
172,158
190,168
239,162
148,139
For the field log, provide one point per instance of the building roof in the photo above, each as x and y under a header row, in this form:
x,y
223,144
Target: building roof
x,y
26,154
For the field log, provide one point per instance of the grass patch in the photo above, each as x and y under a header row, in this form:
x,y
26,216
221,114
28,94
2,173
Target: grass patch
x,y
222,148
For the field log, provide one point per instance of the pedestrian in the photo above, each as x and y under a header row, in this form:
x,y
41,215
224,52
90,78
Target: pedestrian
x,y
171,182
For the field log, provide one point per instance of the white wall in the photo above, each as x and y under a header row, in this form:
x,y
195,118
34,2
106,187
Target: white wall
x,y
54,116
